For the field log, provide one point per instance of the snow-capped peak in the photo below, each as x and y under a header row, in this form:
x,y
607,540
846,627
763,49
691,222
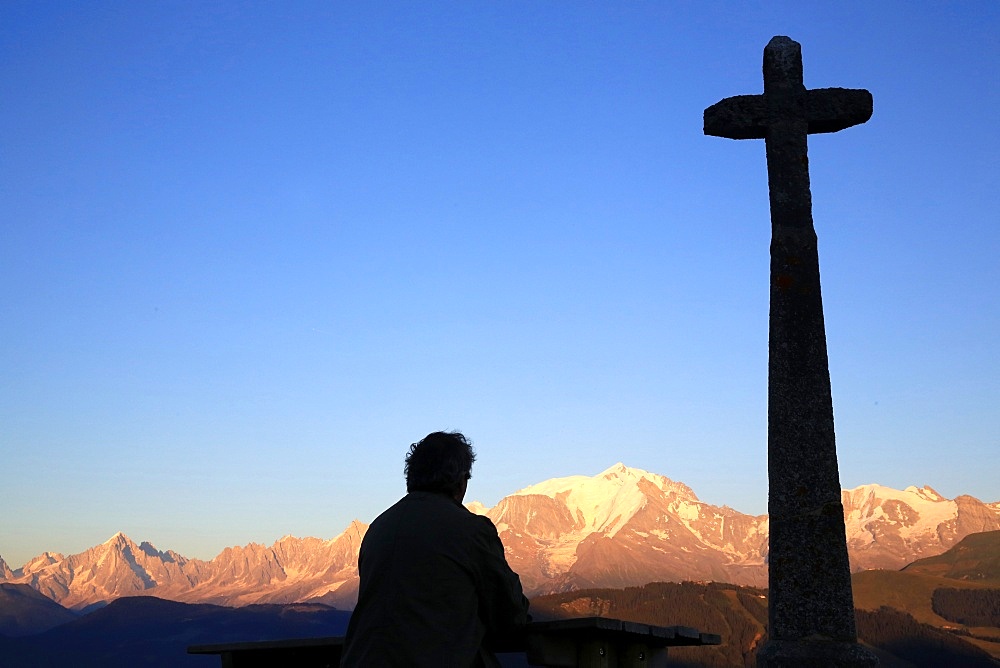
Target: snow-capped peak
x,y
912,496
606,501
619,470
926,492
615,476
118,538
917,511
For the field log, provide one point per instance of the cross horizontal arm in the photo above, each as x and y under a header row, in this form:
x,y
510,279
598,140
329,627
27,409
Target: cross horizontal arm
x,y
737,117
826,110
833,109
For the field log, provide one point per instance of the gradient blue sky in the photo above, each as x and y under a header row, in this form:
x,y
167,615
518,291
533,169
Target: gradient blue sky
x,y
251,251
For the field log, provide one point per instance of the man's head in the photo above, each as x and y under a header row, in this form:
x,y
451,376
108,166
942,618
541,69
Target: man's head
x,y
441,462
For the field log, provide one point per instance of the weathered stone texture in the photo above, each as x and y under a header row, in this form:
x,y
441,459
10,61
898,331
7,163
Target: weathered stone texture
x,y
811,606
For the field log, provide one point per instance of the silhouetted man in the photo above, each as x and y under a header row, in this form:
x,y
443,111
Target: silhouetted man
x,y
435,586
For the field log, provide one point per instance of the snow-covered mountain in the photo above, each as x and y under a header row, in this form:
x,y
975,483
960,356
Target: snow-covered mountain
x,y
624,526
889,528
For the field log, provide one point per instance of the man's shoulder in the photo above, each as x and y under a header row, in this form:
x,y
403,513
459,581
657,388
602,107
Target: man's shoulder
x,y
456,512
482,521
433,502
469,518
439,506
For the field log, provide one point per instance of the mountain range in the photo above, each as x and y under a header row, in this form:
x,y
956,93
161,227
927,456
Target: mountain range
x,y
621,527
937,611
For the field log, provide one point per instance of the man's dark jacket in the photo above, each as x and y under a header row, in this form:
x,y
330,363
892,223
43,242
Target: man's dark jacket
x,y
434,585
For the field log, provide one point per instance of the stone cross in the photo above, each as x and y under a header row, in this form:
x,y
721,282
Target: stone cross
x,y
811,607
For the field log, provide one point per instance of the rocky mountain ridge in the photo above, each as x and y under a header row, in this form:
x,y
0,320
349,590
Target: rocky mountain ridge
x,y
291,570
622,527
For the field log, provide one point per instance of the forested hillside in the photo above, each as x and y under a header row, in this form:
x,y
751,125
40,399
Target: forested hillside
x,y
739,615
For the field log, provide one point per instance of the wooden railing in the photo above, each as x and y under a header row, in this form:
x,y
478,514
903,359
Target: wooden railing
x,y
591,642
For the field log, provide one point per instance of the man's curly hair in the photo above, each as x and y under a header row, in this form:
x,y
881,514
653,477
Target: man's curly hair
x,y
440,462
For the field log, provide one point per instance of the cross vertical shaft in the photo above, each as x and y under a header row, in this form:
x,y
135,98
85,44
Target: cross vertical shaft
x,y
811,609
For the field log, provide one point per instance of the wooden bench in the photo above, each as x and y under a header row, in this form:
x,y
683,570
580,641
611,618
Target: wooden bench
x,y
590,642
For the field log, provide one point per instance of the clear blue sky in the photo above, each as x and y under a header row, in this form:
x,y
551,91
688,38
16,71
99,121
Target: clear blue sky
x,y
250,251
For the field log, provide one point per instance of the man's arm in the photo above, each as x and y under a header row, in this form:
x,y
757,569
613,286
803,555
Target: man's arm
x,y
502,605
